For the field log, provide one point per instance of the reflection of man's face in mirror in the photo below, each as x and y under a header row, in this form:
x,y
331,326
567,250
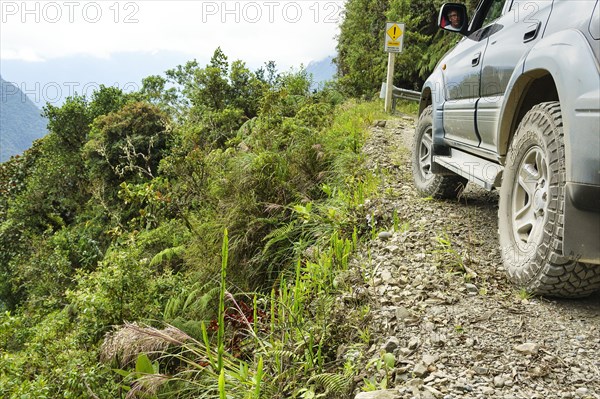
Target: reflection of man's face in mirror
x,y
454,19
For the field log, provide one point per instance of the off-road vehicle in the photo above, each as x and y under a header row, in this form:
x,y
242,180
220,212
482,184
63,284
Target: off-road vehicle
x,y
515,106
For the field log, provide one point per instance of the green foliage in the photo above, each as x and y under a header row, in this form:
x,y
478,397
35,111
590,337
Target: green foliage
x,y
360,60
215,100
13,177
523,295
41,206
447,256
128,144
119,290
154,90
46,190
50,365
70,122
246,87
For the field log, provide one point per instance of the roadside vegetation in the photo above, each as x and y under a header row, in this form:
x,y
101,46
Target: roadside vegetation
x,y
188,238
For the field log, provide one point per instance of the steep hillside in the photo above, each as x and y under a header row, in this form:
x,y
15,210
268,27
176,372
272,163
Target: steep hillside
x,y
20,121
322,70
134,202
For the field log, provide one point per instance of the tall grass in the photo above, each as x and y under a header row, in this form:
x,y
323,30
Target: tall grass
x,y
287,350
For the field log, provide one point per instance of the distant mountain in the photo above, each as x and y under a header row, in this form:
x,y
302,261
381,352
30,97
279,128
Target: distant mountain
x,y
322,70
53,80
21,121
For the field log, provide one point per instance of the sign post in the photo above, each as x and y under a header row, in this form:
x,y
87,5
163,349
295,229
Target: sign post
x,y
394,39
389,85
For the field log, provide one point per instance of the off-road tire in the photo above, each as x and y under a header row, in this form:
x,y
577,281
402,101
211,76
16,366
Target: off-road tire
x,y
531,210
427,183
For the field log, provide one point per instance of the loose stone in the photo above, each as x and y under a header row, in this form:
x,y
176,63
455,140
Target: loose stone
x,y
413,343
391,344
420,369
385,394
472,289
498,381
385,235
528,348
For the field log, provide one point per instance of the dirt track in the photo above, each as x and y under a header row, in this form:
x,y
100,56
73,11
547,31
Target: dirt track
x,y
441,303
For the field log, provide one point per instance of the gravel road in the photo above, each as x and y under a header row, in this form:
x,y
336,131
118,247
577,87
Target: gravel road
x,y
441,304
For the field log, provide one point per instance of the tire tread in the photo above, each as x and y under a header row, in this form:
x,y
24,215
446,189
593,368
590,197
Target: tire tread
x,y
438,186
548,272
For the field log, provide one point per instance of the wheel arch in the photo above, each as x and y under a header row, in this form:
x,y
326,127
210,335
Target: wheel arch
x,y
529,89
426,99
573,79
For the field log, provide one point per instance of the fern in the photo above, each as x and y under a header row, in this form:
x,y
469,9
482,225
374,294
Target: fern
x,y
280,234
335,384
167,254
286,354
193,304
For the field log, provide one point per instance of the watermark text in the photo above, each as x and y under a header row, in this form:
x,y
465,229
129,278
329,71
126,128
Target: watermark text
x,y
55,92
271,11
69,11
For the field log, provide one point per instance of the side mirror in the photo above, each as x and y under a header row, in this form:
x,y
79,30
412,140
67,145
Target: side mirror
x,y
453,18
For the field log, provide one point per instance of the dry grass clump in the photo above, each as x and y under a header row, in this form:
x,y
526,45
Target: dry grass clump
x,y
146,386
127,342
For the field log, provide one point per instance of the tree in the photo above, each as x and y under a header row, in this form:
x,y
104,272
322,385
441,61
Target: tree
x,y
360,60
246,87
49,194
128,144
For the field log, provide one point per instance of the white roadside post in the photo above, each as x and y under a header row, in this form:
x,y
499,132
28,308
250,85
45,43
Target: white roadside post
x,y
394,38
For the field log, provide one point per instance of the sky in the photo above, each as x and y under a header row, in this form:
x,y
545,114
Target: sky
x,y
51,49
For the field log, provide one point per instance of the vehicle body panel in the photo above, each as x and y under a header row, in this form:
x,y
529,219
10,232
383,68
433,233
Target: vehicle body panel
x,y
522,20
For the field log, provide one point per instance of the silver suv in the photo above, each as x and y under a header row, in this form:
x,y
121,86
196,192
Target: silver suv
x,y
515,105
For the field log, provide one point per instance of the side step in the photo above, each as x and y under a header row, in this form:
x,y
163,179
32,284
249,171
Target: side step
x,y
485,173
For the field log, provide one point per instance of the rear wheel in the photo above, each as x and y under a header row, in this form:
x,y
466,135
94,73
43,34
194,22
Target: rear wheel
x,y
427,183
531,208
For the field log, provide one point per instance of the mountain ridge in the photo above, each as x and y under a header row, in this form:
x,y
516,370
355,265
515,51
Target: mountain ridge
x,y
21,121
322,70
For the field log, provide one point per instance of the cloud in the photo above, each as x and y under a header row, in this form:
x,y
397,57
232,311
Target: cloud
x,y
289,32
26,54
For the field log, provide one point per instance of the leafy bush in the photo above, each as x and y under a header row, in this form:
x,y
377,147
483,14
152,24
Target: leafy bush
x,y
116,218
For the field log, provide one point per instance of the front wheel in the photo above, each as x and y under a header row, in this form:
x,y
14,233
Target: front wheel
x,y
427,183
531,208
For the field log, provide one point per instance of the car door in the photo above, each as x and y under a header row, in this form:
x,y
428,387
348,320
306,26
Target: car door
x,y
511,36
462,74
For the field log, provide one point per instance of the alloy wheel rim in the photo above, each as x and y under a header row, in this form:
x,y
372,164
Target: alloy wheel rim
x,y
530,199
425,153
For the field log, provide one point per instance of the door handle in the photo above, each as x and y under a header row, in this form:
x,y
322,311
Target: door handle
x,y
532,34
476,59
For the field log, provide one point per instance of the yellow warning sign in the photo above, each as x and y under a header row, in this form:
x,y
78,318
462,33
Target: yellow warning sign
x,y
394,32
394,37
